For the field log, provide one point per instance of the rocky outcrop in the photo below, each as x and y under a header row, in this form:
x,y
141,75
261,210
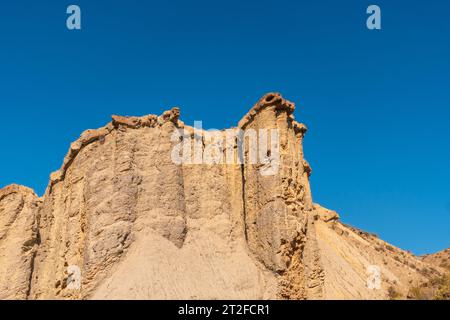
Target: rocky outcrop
x,y
440,259
122,219
19,238
324,214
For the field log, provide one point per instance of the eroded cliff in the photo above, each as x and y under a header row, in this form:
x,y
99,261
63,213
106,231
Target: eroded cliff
x,y
138,225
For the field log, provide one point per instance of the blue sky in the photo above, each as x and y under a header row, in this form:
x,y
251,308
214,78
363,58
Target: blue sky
x,y
377,103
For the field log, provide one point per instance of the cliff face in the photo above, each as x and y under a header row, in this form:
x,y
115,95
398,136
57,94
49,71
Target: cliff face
x,y
18,240
122,220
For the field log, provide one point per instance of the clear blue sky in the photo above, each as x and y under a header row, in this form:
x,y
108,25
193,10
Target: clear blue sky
x,y
377,103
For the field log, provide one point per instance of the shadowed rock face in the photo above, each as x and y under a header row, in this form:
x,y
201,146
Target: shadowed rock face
x,y
137,225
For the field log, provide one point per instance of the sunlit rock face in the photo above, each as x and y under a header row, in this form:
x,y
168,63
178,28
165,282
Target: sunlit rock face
x,y
124,219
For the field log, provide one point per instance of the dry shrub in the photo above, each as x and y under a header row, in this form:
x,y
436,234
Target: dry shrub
x,y
393,294
443,291
438,288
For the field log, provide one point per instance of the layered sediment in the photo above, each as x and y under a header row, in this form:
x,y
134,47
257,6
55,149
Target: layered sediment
x,y
138,225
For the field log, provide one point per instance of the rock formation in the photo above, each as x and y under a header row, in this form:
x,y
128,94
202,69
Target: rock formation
x,y
19,239
439,259
137,225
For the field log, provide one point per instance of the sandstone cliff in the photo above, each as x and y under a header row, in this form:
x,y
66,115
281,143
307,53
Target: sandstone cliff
x,y
137,225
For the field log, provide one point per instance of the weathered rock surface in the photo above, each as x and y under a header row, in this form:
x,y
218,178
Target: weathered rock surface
x,y
324,214
137,225
440,259
19,239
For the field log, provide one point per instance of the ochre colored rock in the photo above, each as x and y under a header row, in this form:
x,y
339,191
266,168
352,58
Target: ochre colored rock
x,y
19,240
325,214
136,225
